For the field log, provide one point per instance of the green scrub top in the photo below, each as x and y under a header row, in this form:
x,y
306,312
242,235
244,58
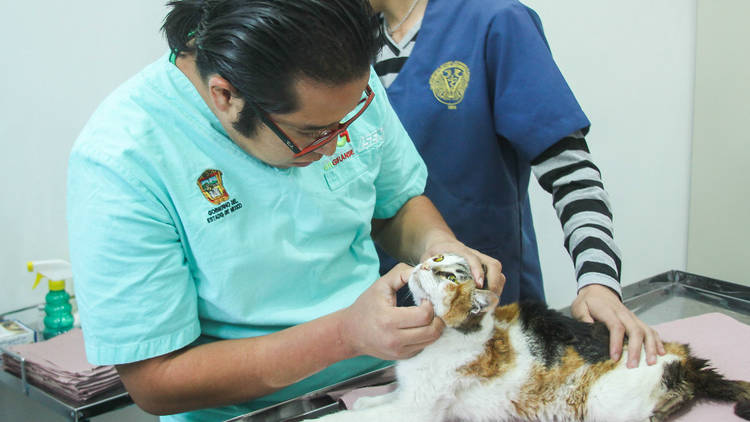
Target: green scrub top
x,y
178,236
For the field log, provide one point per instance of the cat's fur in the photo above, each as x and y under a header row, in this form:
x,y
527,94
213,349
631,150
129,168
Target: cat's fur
x,y
528,362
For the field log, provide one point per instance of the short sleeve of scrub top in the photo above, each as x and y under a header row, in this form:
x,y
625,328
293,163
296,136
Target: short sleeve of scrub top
x,y
536,107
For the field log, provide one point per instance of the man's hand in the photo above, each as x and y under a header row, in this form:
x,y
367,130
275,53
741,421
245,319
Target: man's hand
x,y
418,232
597,302
374,326
477,261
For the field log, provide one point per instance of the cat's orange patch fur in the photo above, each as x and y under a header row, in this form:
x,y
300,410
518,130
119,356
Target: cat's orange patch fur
x,y
676,349
459,304
507,313
543,384
498,355
496,359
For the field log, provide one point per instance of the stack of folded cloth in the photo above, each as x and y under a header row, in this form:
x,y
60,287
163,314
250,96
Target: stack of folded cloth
x,y
59,366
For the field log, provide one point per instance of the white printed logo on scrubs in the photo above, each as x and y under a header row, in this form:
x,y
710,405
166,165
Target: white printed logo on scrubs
x,y
212,187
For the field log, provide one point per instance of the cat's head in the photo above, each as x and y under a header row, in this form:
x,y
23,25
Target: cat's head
x,y
446,281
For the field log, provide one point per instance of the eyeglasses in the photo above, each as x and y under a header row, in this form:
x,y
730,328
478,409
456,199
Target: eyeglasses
x,y
324,137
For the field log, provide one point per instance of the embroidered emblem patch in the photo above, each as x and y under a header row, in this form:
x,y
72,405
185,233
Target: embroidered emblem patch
x,y
449,82
212,187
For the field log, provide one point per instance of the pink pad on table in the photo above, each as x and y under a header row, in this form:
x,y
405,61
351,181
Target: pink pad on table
x,y
725,342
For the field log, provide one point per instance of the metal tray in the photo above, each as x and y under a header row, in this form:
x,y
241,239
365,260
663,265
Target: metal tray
x,y
665,297
74,411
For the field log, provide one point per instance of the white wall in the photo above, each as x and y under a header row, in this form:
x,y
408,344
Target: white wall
x,y
719,201
58,61
630,64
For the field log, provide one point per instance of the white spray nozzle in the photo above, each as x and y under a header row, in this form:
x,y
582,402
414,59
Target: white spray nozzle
x,y
52,269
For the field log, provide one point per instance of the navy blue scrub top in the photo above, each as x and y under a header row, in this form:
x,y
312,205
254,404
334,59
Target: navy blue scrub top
x,y
481,96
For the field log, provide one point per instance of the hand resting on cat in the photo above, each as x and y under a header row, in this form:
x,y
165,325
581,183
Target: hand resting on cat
x,y
525,361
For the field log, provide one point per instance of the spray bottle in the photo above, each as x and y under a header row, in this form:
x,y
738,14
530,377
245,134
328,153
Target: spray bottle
x,y
58,317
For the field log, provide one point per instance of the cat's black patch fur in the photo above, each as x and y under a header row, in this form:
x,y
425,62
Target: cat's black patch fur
x,y
695,377
472,323
742,409
674,376
554,331
710,384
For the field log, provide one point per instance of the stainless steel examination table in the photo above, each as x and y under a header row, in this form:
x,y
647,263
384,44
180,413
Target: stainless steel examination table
x,y
666,297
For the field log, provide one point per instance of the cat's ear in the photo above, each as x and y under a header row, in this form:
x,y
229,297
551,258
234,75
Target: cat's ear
x,y
482,300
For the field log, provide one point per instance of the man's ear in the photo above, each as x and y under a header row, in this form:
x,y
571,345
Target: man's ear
x,y
224,95
483,300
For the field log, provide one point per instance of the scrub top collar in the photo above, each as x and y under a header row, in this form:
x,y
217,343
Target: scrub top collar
x,y
185,90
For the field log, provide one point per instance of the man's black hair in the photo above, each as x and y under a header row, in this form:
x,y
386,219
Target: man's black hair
x,y
263,46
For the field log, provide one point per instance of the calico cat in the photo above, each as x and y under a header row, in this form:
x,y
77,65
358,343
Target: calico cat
x,y
527,362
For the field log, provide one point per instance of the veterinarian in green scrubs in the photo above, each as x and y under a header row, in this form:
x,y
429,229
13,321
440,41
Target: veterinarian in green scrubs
x,y
222,207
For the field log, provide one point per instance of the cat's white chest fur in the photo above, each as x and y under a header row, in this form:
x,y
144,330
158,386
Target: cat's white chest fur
x,y
492,399
439,363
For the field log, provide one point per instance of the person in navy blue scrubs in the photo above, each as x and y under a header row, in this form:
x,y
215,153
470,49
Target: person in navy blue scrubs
x,y
477,89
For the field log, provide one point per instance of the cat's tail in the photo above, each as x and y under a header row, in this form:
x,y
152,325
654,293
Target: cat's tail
x,y
711,385
742,409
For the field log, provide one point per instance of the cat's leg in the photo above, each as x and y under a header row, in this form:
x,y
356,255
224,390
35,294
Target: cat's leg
x,y
667,406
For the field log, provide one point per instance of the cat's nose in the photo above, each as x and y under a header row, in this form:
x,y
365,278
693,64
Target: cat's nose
x,y
425,267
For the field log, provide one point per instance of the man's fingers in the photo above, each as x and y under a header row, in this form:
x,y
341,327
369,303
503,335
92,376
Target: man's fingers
x,y
495,278
397,277
414,316
413,340
413,350
489,275
477,273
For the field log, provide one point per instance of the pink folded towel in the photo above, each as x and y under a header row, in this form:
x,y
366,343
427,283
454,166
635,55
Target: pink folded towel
x,y
59,365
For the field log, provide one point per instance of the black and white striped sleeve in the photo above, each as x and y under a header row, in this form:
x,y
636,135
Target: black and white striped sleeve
x,y
567,171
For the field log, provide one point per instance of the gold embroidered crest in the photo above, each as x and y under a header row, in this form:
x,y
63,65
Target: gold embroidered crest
x,y
212,187
448,83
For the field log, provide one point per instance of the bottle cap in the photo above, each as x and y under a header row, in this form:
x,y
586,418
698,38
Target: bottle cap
x,y
57,285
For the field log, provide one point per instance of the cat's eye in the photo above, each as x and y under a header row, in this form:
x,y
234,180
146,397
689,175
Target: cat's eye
x,y
438,258
448,276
